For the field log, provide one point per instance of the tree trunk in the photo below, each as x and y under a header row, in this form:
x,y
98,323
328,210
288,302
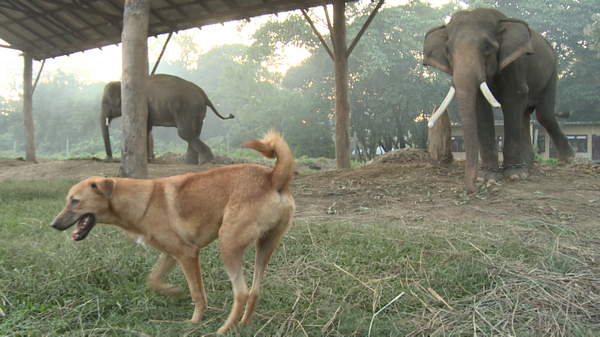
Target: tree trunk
x,y
134,105
28,108
400,131
440,140
342,103
363,148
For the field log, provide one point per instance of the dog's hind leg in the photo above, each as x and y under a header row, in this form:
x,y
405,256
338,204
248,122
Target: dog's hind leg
x,y
233,244
164,265
265,246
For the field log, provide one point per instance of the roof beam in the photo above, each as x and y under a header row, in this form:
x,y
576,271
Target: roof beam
x,y
86,9
32,14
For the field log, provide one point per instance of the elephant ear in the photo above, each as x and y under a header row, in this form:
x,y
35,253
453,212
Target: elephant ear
x,y
515,41
112,91
434,49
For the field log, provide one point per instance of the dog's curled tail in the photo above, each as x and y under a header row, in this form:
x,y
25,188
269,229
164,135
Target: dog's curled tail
x,y
273,146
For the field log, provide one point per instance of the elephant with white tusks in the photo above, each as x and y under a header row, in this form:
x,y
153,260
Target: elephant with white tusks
x,y
497,61
172,101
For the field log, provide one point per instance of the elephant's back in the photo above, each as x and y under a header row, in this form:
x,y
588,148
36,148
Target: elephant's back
x,y
174,91
173,101
168,85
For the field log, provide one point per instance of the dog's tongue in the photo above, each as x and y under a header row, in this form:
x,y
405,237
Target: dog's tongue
x,y
83,228
76,233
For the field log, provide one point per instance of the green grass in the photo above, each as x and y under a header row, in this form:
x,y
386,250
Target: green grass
x,y
327,278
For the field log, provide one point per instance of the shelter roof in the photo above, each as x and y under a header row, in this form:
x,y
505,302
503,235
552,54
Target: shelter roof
x,y
50,28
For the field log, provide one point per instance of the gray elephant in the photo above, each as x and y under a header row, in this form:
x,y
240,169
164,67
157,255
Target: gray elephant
x,y
501,62
172,101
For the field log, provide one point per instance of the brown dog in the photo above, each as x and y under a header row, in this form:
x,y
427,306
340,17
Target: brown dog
x,y
178,215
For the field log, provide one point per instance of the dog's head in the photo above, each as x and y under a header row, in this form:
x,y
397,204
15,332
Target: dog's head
x,y
86,201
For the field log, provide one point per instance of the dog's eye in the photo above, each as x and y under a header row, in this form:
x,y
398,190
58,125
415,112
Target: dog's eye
x,y
74,201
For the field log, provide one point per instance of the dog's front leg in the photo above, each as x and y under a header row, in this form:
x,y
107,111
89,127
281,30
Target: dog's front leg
x,y
191,268
164,265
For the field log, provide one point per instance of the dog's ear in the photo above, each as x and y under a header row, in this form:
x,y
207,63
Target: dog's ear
x,y
104,187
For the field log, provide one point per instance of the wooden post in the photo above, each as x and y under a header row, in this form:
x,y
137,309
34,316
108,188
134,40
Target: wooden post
x,y
342,103
134,105
440,139
28,108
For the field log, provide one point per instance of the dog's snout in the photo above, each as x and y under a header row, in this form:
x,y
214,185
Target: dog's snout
x,y
59,224
56,225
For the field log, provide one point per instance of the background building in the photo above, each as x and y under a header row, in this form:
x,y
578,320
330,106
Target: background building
x,y
583,136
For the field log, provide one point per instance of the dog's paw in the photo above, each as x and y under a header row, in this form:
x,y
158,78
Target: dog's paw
x,y
197,319
223,330
171,290
167,289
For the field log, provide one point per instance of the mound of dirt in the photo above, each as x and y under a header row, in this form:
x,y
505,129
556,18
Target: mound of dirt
x,y
402,185
407,155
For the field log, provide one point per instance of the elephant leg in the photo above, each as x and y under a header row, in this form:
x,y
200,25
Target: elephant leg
x,y
514,166
526,140
197,152
200,149
150,140
488,147
191,156
546,114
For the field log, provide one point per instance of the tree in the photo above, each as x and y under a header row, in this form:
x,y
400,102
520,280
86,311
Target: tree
x,y
389,83
387,80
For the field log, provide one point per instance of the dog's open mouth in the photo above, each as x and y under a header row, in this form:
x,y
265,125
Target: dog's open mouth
x,y
84,226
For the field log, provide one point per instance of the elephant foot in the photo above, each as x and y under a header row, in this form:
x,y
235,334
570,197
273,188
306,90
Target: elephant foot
x,y
191,158
205,158
566,156
489,174
515,172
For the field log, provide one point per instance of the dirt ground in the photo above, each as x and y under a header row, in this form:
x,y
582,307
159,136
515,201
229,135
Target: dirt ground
x,y
400,186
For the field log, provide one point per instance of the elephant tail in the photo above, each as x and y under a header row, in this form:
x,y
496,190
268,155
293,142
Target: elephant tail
x,y
274,146
212,107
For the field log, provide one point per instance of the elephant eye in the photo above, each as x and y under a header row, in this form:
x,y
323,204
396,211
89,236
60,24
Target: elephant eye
x,y
489,48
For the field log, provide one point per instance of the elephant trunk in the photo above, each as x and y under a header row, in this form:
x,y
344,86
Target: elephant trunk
x,y
104,124
466,106
467,84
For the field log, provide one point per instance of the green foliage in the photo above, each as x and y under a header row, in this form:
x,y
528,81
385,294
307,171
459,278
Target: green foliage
x,y
592,30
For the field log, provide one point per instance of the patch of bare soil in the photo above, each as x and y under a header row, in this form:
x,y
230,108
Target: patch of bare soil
x,y
402,185
405,186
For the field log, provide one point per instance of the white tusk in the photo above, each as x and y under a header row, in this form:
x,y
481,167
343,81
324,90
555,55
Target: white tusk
x,y
485,90
442,107
107,121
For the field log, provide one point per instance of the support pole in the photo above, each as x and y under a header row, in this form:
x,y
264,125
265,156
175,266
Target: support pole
x,y
342,102
340,55
134,105
28,108
162,52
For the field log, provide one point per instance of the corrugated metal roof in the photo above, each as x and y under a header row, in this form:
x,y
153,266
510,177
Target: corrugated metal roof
x,y
50,28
